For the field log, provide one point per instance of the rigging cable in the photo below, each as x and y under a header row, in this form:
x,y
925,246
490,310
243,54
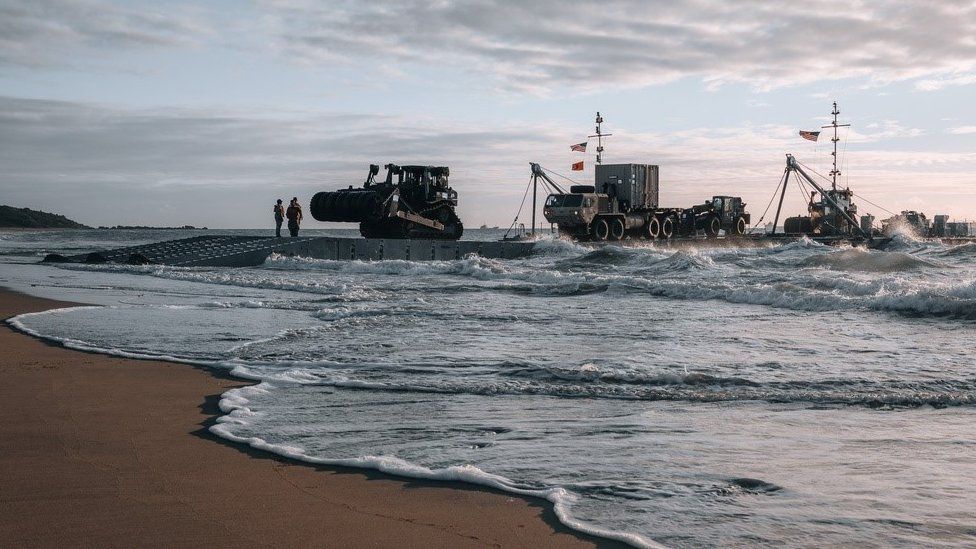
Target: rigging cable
x,y
763,216
844,156
875,205
822,176
549,187
804,189
855,194
519,212
560,175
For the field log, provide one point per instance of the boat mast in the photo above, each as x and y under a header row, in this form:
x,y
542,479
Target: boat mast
x,y
599,138
835,172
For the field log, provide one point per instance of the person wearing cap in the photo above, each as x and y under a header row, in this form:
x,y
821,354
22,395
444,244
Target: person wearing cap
x,y
279,217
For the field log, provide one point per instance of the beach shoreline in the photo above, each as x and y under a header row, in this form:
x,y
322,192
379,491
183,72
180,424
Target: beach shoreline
x,y
109,451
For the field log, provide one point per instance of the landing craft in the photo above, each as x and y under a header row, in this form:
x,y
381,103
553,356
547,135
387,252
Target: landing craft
x,y
831,212
832,215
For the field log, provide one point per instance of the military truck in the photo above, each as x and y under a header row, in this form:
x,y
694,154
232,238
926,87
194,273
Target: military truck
x,y
623,202
721,213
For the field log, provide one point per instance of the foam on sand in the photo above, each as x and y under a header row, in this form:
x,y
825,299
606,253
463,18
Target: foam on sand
x,y
235,404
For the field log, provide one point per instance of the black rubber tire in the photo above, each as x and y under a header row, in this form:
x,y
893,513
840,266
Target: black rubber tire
x,y
798,225
712,226
738,227
617,229
667,227
653,228
601,230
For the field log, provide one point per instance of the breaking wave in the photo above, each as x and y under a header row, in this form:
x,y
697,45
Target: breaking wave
x,y
960,251
591,382
860,259
681,275
587,380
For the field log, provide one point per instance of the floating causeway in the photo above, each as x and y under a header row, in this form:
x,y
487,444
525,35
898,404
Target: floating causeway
x,y
249,251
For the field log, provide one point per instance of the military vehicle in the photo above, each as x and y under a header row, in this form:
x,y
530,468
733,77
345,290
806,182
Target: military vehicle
x,y
908,220
721,213
624,203
412,202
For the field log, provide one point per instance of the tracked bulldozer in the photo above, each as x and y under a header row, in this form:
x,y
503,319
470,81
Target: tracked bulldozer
x,y
412,202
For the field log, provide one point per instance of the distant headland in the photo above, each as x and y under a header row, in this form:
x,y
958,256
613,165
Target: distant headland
x,y
147,228
26,218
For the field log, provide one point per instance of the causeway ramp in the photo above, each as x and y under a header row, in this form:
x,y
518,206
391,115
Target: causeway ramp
x,y
250,251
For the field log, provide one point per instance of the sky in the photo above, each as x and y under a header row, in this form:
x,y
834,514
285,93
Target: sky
x,y
203,113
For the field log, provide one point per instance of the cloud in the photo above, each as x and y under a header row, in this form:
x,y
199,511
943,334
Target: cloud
x,y
538,47
945,81
882,131
546,45
962,130
106,165
42,33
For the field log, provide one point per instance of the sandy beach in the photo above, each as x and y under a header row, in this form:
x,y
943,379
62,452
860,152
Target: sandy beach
x,y
103,451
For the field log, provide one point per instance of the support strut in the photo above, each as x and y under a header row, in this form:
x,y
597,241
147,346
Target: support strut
x,y
786,181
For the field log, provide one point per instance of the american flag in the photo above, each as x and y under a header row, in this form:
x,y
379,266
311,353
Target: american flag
x,y
579,147
809,136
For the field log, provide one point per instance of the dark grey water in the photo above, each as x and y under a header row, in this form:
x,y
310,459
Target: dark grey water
x,y
796,394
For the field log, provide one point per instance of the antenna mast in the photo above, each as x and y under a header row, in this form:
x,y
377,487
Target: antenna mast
x,y
834,172
599,138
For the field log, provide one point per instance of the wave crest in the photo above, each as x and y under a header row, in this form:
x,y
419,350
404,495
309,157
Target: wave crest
x,y
860,259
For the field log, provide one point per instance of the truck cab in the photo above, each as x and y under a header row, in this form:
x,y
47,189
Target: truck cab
x,y
729,208
575,211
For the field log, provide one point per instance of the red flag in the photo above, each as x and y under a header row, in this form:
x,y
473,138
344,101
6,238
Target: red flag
x,y
809,136
579,147
578,166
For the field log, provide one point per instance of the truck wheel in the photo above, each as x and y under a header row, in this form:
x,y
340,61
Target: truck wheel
x,y
738,227
617,229
601,229
667,227
713,226
653,228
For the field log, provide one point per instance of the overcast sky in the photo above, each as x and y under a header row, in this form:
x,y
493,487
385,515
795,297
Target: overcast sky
x,y
171,113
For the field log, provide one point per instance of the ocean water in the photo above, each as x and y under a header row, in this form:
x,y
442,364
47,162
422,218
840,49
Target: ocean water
x,y
796,395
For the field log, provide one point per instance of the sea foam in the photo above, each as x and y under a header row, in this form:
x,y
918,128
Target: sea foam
x,y
235,404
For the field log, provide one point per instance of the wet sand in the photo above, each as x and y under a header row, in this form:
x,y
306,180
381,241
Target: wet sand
x,y
104,451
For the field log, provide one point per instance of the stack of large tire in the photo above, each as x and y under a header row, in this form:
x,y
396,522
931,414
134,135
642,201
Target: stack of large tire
x,y
345,205
798,225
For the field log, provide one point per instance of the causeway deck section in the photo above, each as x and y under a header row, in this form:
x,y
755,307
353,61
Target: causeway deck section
x,y
250,251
